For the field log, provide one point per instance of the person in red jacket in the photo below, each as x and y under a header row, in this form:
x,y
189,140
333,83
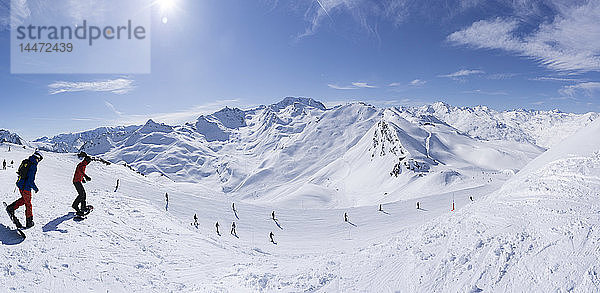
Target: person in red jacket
x,y
80,177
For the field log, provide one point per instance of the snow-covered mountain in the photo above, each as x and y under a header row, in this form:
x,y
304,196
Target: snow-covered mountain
x,y
543,128
7,136
486,231
299,152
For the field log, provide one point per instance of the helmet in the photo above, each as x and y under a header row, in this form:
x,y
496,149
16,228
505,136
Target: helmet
x,y
38,155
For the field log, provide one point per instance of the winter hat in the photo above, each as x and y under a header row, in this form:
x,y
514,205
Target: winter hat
x,y
38,155
82,155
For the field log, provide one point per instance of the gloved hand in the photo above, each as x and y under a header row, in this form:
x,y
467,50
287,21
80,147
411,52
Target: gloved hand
x,y
36,190
88,178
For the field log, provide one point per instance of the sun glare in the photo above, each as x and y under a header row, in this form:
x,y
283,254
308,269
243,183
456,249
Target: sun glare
x,y
165,5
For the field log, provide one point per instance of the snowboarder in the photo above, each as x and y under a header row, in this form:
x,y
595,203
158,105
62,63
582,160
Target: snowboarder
x,y
26,183
79,204
418,206
273,216
345,217
217,226
4,165
233,229
271,236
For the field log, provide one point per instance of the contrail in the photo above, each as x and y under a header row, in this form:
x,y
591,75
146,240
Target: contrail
x,y
320,4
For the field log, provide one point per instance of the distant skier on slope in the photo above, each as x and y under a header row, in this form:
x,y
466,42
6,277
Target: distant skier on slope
x,y
217,226
167,197
117,187
418,206
233,207
345,217
380,209
26,183
471,198
233,229
196,221
271,237
273,216
4,164
79,204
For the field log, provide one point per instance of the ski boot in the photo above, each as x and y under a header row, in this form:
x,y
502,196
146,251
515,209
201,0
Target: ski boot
x,y
29,223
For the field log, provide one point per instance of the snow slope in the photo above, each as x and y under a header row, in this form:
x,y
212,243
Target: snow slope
x,y
538,233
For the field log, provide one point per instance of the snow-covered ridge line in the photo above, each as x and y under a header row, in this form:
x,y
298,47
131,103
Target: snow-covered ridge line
x,y
298,151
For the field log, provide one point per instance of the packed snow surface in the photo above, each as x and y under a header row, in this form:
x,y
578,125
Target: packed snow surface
x,y
497,215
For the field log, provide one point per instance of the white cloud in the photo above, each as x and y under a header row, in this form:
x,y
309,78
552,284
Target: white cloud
x,y
418,82
571,42
353,86
501,76
115,86
488,93
551,78
585,88
363,85
112,108
337,87
462,73
13,13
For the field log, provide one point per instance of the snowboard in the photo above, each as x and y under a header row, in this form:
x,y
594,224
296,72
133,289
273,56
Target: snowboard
x,y
84,216
19,231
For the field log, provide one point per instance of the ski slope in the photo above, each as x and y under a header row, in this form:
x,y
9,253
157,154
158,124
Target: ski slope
x,y
536,232
131,242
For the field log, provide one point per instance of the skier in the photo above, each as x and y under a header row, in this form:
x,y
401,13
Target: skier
x,y
217,226
345,217
167,197
271,236
79,204
233,229
196,220
117,187
418,206
471,198
4,165
380,209
273,216
26,183
233,207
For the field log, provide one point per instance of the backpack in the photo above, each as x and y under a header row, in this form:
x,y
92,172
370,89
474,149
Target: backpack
x,y
23,169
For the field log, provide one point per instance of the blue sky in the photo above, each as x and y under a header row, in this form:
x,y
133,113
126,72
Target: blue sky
x,y
211,53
